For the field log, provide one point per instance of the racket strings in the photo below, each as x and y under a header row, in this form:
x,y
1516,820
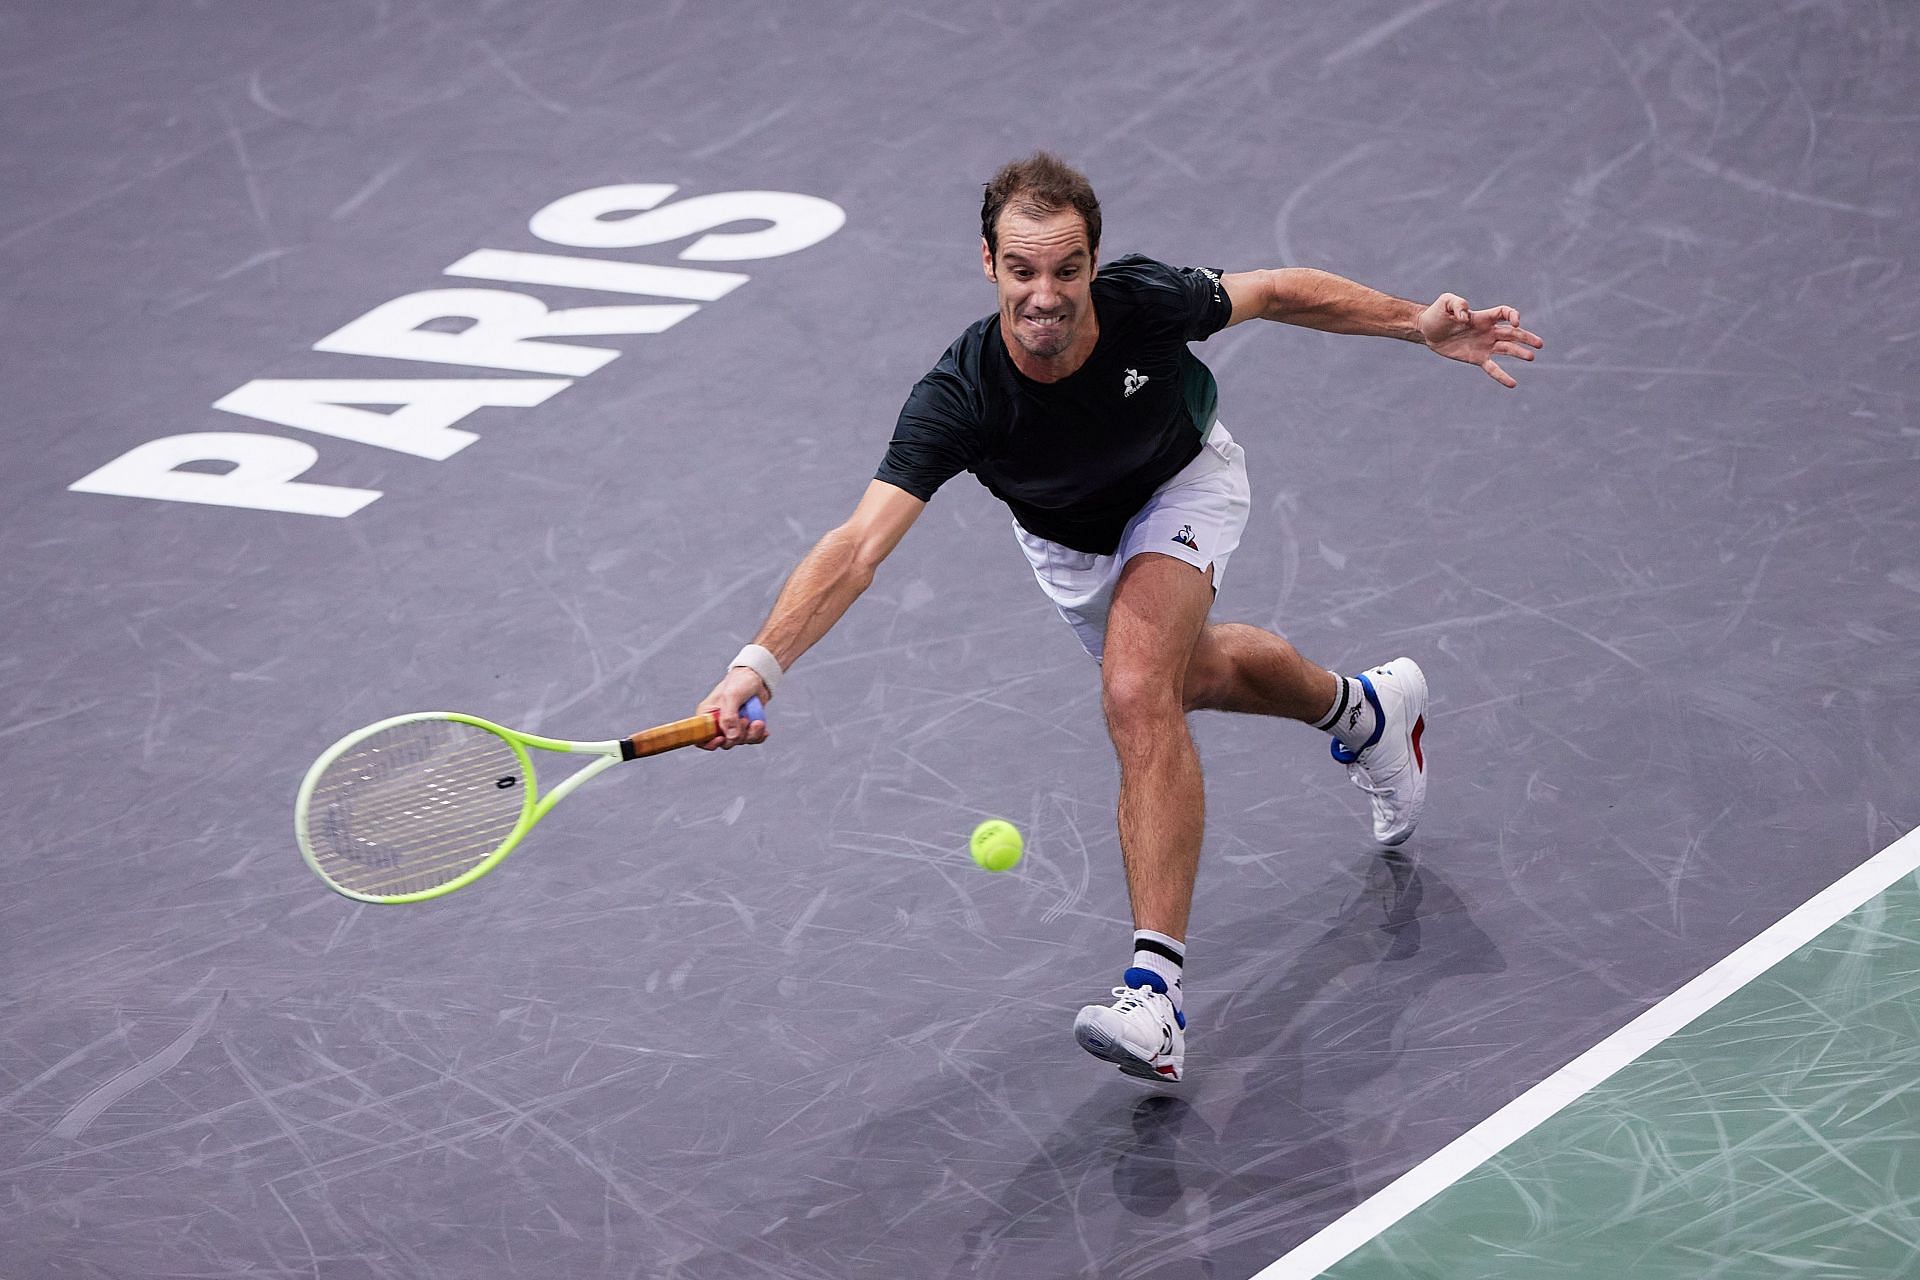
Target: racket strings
x,y
415,806
407,847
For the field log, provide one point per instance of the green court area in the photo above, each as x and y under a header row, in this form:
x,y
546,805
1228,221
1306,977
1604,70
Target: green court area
x,y
1778,1135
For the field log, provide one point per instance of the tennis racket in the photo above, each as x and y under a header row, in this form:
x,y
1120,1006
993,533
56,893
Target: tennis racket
x,y
417,806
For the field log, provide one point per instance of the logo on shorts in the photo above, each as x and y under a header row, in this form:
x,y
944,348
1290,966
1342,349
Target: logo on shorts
x,y
1135,381
1185,537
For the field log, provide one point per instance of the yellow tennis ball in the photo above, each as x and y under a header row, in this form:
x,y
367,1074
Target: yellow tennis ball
x,y
996,844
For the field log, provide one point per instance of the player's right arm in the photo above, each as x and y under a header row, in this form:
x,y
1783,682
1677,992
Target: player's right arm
x,y
819,591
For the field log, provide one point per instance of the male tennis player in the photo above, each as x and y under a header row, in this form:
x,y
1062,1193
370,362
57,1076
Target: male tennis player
x,y
1079,404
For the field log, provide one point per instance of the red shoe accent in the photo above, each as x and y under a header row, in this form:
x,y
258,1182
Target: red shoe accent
x,y
1419,760
1165,1071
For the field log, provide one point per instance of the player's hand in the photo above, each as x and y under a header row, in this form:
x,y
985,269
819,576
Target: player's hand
x,y
1458,332
727,697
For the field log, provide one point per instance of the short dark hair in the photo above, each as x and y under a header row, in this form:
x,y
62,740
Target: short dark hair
x,y
1041,184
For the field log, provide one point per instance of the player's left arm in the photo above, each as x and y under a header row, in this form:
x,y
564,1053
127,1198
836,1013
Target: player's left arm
x,y
1317,299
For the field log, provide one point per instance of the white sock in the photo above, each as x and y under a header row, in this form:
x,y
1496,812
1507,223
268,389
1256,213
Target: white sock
x,y
1352,718
1157,963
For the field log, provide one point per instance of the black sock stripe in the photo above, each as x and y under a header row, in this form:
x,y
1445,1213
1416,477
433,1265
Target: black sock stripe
x,y
1339,705
1159,949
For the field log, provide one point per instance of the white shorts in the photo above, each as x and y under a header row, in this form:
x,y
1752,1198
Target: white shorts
x,y
1197,516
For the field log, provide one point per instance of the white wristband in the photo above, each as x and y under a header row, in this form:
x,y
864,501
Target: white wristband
x,y
761,662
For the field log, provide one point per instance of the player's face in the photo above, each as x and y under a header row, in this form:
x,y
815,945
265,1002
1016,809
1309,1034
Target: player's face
x,y
1043,272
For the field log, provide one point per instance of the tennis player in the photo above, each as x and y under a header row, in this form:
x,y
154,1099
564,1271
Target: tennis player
x,y
1079,404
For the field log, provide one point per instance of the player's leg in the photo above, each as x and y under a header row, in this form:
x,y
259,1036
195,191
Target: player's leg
x,y
1144,1031
1158,609
1237,667
1377,717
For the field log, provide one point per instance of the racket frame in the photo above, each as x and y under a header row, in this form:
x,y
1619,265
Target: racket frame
x,y
533,807
667,737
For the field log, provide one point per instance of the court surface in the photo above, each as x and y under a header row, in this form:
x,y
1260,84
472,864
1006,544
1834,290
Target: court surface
x,y
757,1014
1759,1118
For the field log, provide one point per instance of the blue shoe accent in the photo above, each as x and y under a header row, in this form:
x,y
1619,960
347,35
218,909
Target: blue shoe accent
x,y
1347,755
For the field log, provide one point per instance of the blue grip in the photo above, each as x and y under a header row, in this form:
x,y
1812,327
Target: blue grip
x,y
753,709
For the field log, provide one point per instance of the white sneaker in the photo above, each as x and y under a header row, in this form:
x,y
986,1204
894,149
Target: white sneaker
x,y
1140,1032
1391,768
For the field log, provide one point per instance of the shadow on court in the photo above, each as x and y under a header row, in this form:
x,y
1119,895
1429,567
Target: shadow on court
x,y
1241,1156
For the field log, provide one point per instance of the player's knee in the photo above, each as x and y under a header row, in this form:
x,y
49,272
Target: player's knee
x,y
1136,695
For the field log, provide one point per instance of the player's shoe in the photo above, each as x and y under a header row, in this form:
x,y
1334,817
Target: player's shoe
x,y
1391,768
1140,1032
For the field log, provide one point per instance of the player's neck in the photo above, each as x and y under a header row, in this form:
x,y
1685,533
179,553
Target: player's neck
x,y
1054,368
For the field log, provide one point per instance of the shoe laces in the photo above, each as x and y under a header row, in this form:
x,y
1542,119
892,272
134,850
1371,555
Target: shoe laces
x,y
1363,780
1130,998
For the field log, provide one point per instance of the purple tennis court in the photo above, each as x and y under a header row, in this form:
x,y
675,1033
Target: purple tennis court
x,y
393,356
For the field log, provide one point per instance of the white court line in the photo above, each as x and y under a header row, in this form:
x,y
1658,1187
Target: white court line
x,y
1541,1103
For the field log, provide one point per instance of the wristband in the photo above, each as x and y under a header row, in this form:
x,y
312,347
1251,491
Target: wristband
x,y
761,662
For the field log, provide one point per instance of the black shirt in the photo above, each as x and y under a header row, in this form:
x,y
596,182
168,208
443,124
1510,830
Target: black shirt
x,y
1077,458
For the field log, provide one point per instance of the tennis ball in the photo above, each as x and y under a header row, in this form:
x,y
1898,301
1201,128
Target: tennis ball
x,y
996,844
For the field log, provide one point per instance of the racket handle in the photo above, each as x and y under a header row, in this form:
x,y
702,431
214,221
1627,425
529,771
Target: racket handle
x,y
683,733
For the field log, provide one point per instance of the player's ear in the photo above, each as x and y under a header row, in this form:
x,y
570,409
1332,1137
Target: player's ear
x,y
986,260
